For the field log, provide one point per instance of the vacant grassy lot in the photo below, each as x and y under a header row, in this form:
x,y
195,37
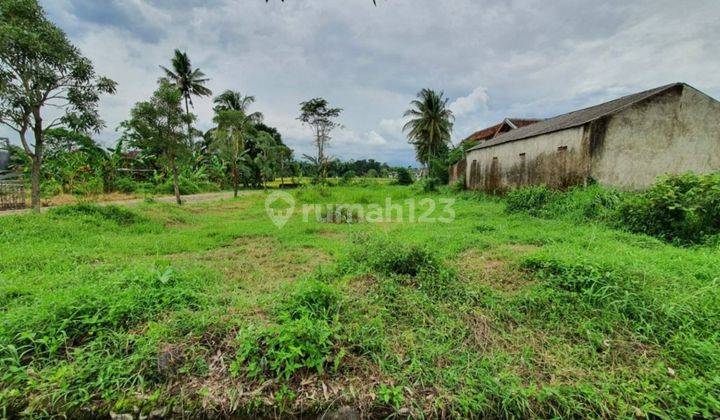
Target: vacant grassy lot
x,y
160,309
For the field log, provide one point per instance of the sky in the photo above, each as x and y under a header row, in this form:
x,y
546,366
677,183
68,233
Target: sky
x,y
492,58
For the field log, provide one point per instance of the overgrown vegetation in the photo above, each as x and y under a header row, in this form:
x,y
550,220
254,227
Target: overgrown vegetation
x,y
173,310
682,209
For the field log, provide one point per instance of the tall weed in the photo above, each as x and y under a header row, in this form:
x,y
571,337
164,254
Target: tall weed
x,y
683,209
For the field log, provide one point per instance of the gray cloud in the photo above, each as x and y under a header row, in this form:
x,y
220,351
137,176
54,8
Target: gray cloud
x,y
495,58
131,17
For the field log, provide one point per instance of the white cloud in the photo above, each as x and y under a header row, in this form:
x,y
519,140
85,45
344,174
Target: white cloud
x,y
375,139
476,100
532,57
392,127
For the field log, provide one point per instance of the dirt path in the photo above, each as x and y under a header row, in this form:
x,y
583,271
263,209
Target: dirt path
x,y
195,198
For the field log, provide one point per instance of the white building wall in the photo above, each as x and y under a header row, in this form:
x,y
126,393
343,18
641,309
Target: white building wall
x,y
675,132
544,161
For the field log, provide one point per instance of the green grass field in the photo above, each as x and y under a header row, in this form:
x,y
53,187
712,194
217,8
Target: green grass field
x,y
210,308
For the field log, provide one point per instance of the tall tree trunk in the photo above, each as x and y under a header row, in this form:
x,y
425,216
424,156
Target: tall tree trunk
x,y
35,183
37,159
236,181
176,185
282,174
236,176
189,128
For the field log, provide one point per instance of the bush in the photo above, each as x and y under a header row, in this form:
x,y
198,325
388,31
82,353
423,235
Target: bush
x,y
348,177
679,208
50,188
427,185
371,173
410,265
531,199
404,177
655,314
682,209
285,349
126,185
90,187
458,185
390,257
591,203
186,186
313,298
580,203
438,170
302,340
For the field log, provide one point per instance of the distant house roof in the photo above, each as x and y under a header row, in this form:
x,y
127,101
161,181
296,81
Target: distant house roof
x,y
575,118
493,131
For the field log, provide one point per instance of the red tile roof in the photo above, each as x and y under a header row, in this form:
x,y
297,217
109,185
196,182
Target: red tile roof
x,y
497,129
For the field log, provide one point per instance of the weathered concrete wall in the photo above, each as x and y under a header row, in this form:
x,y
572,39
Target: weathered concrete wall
x,y
457,171
558,159
4,160
674,132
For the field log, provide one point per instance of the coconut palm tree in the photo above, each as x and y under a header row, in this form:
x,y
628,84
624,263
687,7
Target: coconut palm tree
x,y
229,134
234,101
190,82
430,124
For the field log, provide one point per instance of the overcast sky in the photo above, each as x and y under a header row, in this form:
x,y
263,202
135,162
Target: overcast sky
x,y
494,58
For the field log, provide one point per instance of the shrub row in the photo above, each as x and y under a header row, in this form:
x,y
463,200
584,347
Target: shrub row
x,y
682,209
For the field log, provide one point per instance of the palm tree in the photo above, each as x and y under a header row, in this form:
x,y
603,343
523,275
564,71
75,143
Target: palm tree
x,y
234,101
233,123
230,140
190,82
430,125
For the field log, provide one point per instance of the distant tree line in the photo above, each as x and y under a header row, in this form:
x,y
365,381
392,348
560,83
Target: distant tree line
x,y
360,168
159,149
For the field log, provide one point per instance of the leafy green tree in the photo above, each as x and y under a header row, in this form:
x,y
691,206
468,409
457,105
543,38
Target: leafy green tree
x,y
41,69
430,125
269,160
231,100
62,140
285,160
229,143
317,114
236,133
190,82
156,127
74,160
404,177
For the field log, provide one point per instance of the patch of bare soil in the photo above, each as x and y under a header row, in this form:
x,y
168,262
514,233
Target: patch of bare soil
x,y
222,207
334,235
222,394
491,270
64,199
263,262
